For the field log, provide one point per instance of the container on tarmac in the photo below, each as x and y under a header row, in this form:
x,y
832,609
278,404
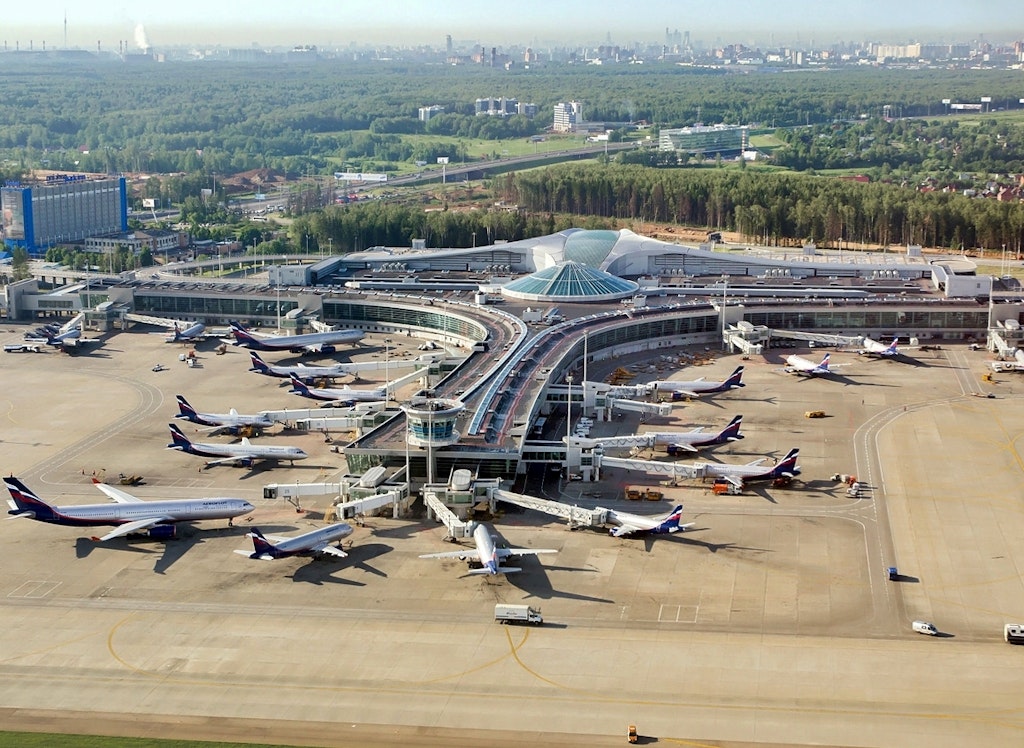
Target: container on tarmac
x,y
517,614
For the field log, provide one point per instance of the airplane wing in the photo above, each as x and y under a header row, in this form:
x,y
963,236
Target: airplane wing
x,y
117,495
506,552
331,550
233,459
468,553
738,482
314,347
756,462
500,570
130,527
621,530
687,447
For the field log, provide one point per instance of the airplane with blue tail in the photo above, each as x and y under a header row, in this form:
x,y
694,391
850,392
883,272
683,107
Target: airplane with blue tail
x,y
698,387
232,421
628,524
245,454
338,395
311,342
308,374
312,543
129,514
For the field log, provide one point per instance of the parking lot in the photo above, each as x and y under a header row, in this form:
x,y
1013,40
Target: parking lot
x,y
771,621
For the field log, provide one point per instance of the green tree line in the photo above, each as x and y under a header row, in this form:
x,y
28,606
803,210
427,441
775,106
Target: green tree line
x,y
770,207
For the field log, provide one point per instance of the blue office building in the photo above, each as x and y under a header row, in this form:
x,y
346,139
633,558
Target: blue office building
x,y
64,209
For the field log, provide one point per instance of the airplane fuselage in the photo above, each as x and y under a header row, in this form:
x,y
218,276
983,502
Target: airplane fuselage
x,y
306,341
176,510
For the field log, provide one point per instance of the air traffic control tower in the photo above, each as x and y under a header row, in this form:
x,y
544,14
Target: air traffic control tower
x,y
432,421
431,424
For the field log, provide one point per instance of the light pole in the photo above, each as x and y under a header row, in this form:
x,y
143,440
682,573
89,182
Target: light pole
x,y
279,307
330,245
387,379
568,415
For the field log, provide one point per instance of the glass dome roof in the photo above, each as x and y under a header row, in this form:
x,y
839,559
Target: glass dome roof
x,y
570,281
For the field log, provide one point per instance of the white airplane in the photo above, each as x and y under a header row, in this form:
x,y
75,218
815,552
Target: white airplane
x,y
675,441
628,524
697,387
231,421
312,342
68,336
805,367
245,454
194,331
305,373
342,395
487,555
129,514
312,543
754,471
874,348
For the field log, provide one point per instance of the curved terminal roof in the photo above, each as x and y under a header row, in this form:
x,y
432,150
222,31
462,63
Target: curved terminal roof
x,y
570,281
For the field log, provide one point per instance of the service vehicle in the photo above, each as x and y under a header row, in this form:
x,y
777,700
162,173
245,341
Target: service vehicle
x,y
924,627
1013,633
507,613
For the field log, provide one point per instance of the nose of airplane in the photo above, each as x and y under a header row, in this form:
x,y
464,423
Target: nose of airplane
x,y
247,507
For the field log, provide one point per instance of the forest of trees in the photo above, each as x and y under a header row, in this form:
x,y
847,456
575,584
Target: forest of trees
x,y
771,206
227,118
186,123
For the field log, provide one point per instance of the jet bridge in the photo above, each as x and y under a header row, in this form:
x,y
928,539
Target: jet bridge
x,y
575,515
638,406
455,526
673,470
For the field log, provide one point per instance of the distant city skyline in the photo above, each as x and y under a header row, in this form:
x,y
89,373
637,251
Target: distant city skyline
x,y
568,23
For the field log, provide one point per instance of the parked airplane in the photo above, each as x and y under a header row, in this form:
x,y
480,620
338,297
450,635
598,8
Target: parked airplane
x,y
487,554
312,342
305,373
231,421
697,387
129,514
339,395
874,348
312,543
675,441
627,524
245,454
754,471
807,368
195,331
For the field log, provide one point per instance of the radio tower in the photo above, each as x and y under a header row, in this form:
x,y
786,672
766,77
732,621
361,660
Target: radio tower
x,y
65,29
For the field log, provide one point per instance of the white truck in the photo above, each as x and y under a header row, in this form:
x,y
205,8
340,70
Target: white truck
x,y
505,613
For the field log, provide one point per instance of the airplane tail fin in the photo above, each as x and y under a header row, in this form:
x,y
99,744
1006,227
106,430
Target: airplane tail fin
x,y
671,522
261,545
298,385
735,379
498,570
258,364
731,432
787,467
25,503
178,439
185,410
892,345
824,362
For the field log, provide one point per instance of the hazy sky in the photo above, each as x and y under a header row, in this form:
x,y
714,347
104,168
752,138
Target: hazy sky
x,y
404,22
